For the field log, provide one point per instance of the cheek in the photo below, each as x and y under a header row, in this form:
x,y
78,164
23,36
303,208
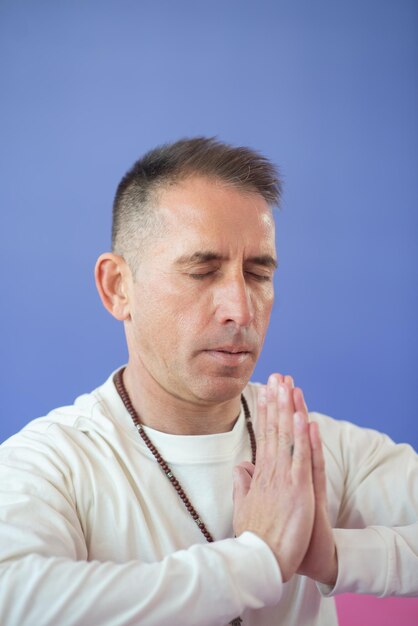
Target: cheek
x,y
263,304
160,318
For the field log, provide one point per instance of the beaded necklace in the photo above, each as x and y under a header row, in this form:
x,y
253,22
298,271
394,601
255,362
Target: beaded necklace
x,y
121,389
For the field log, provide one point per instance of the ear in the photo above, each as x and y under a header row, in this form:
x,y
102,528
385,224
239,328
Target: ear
x,y
112,275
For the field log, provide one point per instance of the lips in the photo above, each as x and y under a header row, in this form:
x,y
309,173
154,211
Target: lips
x,y
231,356
232,349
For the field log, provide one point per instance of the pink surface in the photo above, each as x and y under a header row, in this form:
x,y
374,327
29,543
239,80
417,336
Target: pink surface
x,y
356,610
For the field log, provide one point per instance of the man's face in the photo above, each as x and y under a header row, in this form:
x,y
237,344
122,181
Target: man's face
x,y
201,299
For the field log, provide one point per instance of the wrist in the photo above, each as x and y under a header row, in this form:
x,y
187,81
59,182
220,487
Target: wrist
x,y
329,577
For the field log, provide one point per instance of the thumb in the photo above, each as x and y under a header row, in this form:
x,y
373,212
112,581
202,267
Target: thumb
x,y
241,483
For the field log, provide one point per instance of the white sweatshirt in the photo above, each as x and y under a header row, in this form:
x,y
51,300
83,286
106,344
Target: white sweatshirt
x,y
92,532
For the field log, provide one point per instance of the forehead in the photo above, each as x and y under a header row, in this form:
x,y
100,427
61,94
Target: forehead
x,y
208,213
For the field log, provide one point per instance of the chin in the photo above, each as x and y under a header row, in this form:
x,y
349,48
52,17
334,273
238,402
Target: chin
x,y
221,389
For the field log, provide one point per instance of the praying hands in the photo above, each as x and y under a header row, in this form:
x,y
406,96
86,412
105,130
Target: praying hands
x,y
282,498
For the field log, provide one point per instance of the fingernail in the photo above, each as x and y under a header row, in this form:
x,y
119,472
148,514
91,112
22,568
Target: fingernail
x,y
272,389
272,382
282,391
262,396
288,379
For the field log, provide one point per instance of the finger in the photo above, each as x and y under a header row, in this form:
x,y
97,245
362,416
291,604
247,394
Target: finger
x,y
272,419
260,429
241,483
286,411
299,401
302,455
280,378
248,466
318,463
289,382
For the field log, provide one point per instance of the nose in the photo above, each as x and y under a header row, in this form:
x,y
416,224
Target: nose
x,y
233,302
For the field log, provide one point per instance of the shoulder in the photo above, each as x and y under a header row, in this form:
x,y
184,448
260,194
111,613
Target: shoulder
x,y
348,444
65,426
358,447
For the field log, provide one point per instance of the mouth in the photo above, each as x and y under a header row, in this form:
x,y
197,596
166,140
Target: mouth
x,y
231,356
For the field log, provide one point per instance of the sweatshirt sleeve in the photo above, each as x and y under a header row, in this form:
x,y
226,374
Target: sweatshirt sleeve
x,y
46,577
376,533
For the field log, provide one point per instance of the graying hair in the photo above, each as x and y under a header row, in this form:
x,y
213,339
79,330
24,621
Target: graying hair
x,y
134,215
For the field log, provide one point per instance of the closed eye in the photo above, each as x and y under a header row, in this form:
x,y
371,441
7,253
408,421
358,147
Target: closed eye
x,y
207,274
202,275
260,277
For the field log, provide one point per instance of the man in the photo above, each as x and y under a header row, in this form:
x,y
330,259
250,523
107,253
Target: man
x,y
151,501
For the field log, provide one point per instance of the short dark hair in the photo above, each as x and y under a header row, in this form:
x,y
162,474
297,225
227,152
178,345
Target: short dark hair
x,y
133,217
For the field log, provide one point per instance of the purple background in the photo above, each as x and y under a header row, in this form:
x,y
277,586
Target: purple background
x,y
328,90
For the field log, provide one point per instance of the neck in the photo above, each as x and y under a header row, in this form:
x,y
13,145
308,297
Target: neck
x,y
159,409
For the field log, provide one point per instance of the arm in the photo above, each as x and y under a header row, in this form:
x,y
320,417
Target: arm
x,y
46,578
374,548
377,527
207,584
45,575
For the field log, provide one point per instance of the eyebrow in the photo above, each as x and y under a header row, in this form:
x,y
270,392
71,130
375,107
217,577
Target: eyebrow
x,y
266,260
